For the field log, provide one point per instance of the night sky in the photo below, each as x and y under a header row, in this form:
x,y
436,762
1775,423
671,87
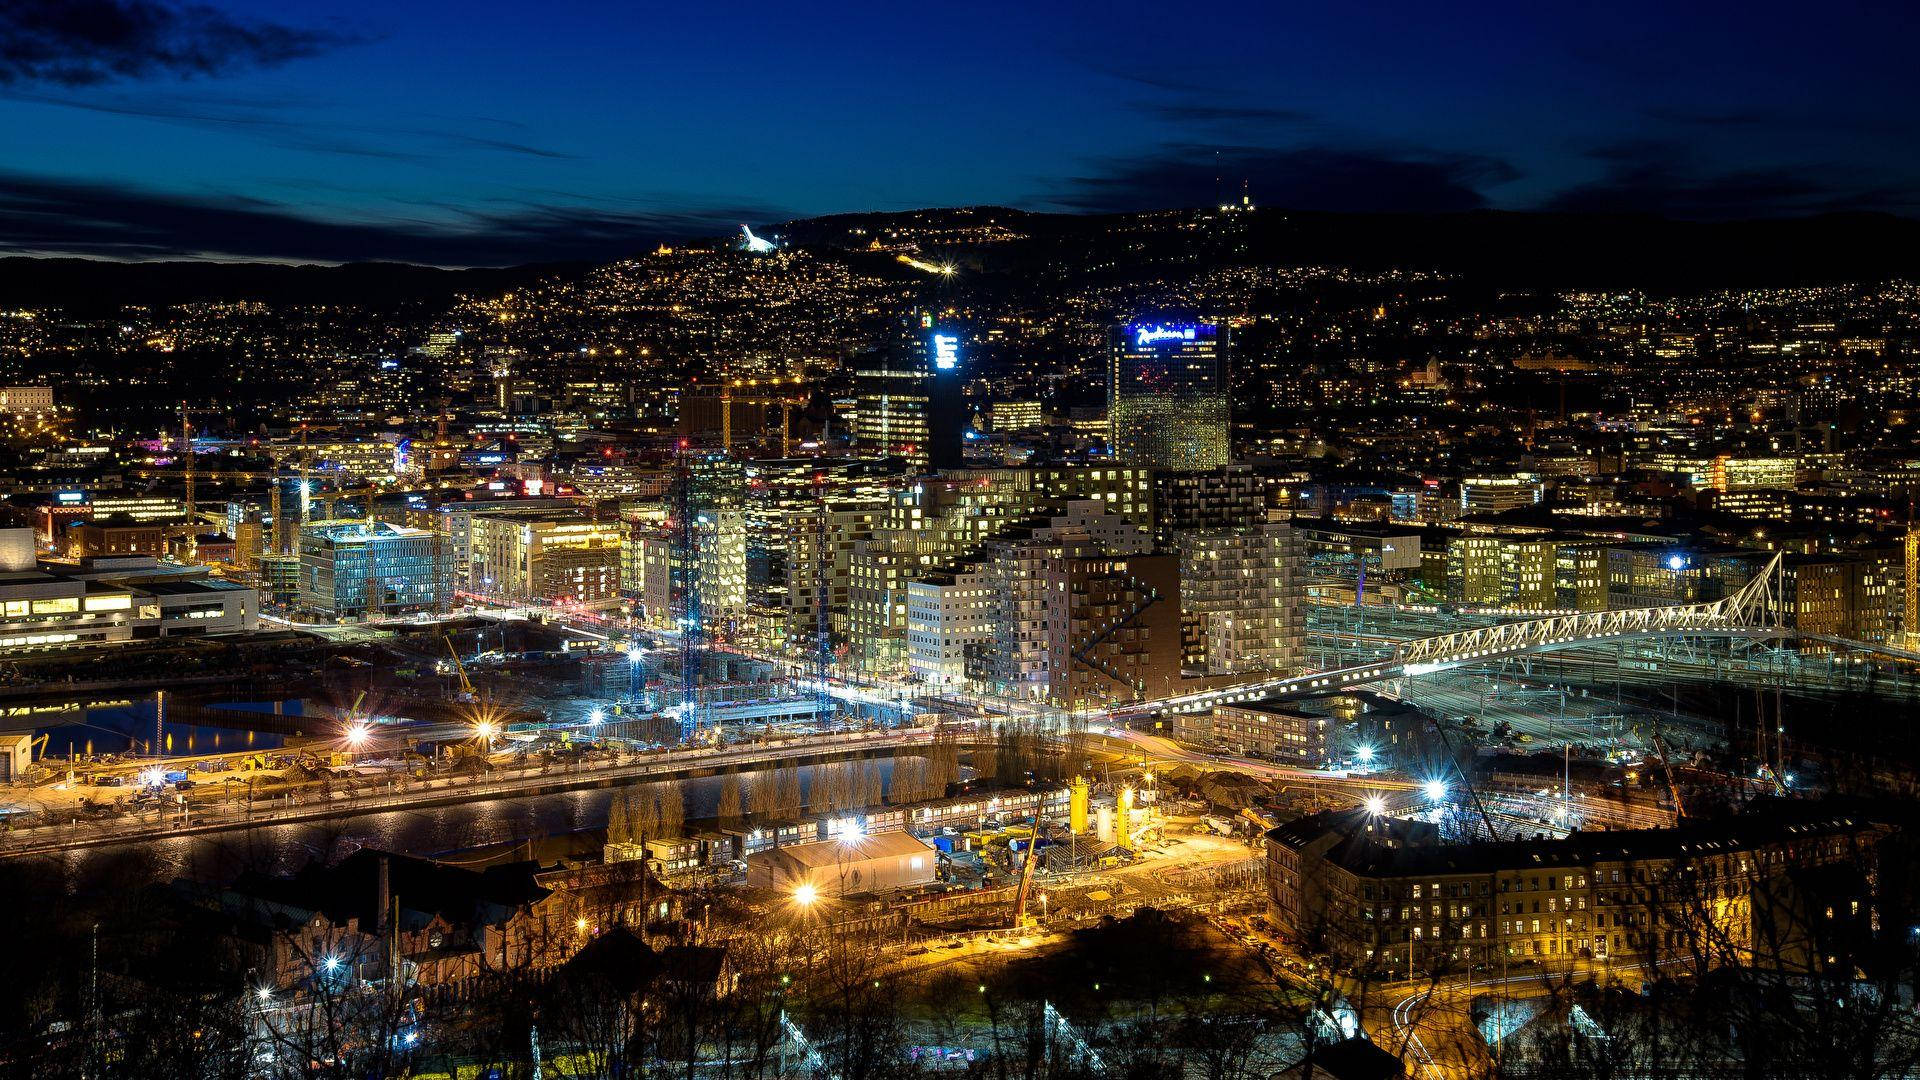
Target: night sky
x,y
485,132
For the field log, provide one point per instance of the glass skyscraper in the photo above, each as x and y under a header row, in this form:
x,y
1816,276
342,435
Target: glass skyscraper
x,y
1167,405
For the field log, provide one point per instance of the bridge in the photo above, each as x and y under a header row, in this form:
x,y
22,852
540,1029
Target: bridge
x,y
1753,612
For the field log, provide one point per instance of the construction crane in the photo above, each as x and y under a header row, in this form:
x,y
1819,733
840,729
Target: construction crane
x,y
1666,771
1026,877
460,670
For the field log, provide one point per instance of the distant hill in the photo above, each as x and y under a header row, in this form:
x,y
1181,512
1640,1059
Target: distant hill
x,y
1497,248
1504,248
102,285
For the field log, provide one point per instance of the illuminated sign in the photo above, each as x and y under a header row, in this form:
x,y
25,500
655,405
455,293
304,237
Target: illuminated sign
x,y
1153,335
70,496
946,352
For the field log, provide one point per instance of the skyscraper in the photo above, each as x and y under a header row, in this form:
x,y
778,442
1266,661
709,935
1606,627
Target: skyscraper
x,y
1167,405
908,400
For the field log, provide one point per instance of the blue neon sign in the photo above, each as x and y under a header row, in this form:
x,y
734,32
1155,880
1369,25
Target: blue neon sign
x,y
946,352
1154,335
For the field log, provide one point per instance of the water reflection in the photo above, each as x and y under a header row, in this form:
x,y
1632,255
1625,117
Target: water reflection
x,y
438,830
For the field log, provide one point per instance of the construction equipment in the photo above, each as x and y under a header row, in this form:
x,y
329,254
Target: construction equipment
x,y
460,670
1026,878
1666,771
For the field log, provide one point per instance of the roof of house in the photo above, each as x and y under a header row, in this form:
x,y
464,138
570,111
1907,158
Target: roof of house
x,y
870,846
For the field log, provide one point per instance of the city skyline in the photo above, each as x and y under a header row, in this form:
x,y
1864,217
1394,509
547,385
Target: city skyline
x,y
487,135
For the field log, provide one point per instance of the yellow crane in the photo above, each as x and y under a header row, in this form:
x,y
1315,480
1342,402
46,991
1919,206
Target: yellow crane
x,y
459,669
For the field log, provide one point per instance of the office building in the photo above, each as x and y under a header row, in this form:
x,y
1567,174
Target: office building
x,y
566,557
1167,395
369,569
907,400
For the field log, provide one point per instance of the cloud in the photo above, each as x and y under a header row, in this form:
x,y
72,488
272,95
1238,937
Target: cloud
x,y
89,42
39,215
1219,113
1299,178
1663,178
281,123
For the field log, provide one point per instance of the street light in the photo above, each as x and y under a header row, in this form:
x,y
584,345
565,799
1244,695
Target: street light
x,y
596,717
357,736
805,895
1364,753
1435,790
1375,805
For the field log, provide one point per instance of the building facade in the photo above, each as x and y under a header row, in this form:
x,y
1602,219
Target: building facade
x,y
1168,404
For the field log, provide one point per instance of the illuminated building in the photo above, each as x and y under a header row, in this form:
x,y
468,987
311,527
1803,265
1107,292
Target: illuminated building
x,y
27,402
1503,572
1383,894
1167,395
356,568
907,398
1010,416
1290,737
1229,497
107,600
52,518
1731,473
1498,494
946,614
546,557
1113,626
454,519
1240,599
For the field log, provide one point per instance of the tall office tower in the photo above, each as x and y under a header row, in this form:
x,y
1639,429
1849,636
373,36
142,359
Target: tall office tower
x,y
1167,405
907,399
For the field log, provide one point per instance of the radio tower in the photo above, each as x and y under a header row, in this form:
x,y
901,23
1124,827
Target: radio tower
x,y
686,552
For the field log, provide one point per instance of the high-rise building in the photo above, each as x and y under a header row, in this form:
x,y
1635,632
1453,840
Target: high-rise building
x,y
1113,628
907,398
1167,395
1240,595
1229,497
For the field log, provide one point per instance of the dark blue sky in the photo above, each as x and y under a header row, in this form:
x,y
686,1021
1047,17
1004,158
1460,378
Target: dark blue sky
x,y
491,132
